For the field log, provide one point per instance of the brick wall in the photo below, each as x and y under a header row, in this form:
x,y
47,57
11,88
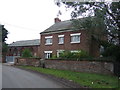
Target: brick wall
x,y
81,66
27,61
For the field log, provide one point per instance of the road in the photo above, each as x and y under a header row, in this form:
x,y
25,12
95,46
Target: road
x,y
0,76
17,78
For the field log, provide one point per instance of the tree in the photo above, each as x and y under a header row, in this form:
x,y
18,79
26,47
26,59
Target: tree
x,y
107,16
102,18
26,53
3,34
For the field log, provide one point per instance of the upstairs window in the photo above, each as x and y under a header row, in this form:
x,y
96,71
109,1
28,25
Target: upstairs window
x,y
75,38
60,39
48,40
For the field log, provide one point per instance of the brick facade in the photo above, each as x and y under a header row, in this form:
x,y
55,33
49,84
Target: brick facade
x,y
17,50
83,45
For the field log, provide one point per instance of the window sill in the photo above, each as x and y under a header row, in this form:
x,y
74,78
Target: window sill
x,y
60,43
74,42
49,44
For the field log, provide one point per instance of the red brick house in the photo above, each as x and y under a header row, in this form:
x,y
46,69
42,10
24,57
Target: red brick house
x,y
62,36
15,49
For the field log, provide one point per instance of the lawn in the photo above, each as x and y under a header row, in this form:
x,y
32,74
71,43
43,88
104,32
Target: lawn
x,y
84,79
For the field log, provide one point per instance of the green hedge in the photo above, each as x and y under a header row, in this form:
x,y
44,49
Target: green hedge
x,y
81,55
112,51
74,55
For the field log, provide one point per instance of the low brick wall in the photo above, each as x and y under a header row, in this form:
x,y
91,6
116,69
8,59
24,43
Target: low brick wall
x,y
27,61
81,66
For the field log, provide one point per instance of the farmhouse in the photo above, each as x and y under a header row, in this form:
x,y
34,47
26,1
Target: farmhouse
x,y
62,36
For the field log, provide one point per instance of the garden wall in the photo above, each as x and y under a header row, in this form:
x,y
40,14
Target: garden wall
x,y
27,61
79,66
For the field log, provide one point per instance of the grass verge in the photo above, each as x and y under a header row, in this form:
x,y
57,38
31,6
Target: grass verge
x,y
84,79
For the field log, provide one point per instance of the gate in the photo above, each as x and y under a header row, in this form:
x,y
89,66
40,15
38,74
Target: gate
x,y
10,59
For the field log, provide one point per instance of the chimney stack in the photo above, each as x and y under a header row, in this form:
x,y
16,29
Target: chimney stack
x,y
57,20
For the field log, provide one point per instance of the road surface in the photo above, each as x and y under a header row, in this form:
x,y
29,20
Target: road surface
x,y
17,78
0,76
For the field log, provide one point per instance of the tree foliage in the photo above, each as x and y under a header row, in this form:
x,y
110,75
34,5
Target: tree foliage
x,y
112,51
74,55
4,34
106,16
103,18
26,53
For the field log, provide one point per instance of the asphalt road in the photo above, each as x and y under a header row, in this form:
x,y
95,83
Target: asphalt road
x,y
17,78
0,76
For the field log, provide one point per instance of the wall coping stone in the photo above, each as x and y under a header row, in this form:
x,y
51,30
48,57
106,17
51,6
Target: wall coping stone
x,y
95,60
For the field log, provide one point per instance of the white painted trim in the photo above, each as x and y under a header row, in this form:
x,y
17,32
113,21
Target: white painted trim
x,y
48,51
48,37
61,43
60,35
74,51
48,44
75,34
75,42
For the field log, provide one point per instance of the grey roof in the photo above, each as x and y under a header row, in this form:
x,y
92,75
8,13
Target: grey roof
x,y
26,43
59,26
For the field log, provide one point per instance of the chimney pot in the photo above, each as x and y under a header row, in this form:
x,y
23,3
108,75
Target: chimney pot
x,y
57,20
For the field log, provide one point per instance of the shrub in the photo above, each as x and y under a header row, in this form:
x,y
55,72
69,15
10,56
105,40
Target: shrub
x,y
66,55
112,51
26,53
74,55
54,57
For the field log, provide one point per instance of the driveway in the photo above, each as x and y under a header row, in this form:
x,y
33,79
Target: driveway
x,y
17,78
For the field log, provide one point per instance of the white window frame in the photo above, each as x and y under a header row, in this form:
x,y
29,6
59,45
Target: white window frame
x,y
74,51
48,37
48,51
48,54
75,34
60,36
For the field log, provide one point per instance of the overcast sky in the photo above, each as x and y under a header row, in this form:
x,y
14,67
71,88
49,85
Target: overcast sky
x,y
25,19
